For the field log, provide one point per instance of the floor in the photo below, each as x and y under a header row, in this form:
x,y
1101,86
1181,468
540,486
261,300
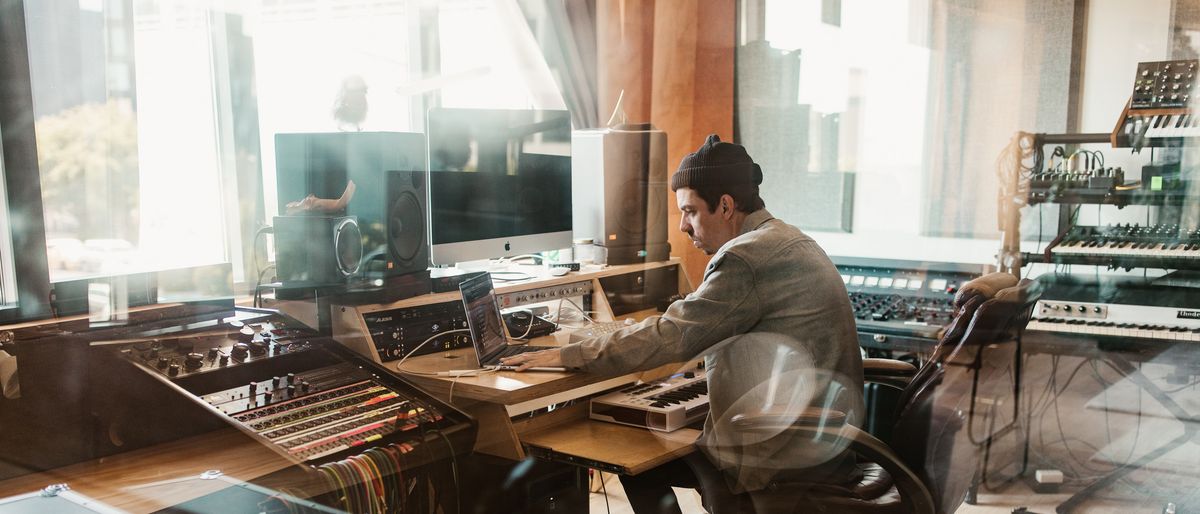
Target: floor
x,y
1084,418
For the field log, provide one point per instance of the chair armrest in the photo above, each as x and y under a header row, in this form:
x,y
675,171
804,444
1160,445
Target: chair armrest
x,y
780,418
913,492
888,368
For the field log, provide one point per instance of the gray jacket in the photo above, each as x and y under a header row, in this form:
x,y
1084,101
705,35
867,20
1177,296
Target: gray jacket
x,y
773,321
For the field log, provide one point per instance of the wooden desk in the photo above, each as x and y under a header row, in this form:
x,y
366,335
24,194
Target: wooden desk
x,y
509,405
564,433
512,407
116,480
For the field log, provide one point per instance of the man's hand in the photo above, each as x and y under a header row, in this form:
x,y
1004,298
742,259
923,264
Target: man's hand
x,y
544,358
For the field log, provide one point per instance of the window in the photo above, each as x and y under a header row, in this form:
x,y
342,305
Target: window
x,y
127,134
879,124
8,279
155,119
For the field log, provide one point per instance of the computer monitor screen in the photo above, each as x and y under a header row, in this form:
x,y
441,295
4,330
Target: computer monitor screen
x,y
499,182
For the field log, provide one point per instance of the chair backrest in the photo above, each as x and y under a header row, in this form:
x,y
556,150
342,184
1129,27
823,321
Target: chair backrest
x,y
934,412
970,297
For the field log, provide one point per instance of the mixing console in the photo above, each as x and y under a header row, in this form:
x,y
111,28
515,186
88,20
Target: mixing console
x,y
241,343
332,409
905,302
309,397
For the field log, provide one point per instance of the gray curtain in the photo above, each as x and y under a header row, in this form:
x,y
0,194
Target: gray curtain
x,y
566,33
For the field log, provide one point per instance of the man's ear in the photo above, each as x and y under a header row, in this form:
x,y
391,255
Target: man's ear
x,y
727,206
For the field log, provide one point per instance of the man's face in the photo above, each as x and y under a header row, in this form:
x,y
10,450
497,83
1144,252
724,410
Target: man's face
x,y
708,230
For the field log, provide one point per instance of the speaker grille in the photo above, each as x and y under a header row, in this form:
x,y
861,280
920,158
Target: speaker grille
x,y
406,227
347,243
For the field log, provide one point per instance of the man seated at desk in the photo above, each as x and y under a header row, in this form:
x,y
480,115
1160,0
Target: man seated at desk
x,y
765,278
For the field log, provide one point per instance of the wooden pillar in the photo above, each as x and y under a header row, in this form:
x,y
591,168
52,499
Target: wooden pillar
x,y
692,91
625,37
674,60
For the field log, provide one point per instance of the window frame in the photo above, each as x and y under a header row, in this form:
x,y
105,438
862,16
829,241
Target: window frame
x,y
22,179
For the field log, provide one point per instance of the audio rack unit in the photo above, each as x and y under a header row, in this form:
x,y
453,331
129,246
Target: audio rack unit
x,y
397,332
389,332
582,288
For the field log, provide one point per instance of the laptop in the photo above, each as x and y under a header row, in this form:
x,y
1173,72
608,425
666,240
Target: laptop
x,y
487,331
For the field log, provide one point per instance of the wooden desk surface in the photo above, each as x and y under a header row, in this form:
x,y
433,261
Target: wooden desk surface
x,y
116,480
505,387
574,438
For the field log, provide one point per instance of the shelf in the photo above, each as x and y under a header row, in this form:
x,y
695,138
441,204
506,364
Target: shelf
x,y
1124,141
1179,263
1109,197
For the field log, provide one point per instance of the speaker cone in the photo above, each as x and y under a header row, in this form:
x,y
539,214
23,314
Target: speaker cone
x,y
347,244
406,227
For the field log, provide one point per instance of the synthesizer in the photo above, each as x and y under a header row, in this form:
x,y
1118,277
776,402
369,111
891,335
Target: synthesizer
x,y
1158,108
666,405
1050,181
1117,310
1131,241
899,303
307,397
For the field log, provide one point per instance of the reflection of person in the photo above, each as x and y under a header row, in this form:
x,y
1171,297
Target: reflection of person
x,y
350,106
765,276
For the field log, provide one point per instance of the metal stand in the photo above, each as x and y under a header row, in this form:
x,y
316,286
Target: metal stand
x,y
1189,434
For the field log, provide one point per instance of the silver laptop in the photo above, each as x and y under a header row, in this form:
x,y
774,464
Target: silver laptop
x,y
487,331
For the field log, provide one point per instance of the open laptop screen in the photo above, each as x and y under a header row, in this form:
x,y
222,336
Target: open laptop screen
x,y
483,316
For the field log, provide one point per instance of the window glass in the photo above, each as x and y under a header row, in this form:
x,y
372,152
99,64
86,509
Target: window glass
x,y
156,119
8,279
879,124
130,180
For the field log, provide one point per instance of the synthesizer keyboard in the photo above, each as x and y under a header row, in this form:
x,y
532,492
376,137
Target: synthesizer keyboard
x,y
1132,241
1158,108
1117,310
665,406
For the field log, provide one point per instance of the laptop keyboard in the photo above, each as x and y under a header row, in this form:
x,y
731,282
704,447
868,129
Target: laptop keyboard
x,y
520,348
597,329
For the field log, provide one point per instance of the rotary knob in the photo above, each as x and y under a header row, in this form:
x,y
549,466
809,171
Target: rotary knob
x,y
258,348
162,362
193,360
246,335
173,369
240,351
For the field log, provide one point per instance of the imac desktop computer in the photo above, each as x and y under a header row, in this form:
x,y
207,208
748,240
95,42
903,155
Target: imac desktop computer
x,y
499,183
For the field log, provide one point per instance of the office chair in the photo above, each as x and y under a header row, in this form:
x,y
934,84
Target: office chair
x,y
884,380
933,460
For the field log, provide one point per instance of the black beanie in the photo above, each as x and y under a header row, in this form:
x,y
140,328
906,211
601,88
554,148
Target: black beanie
x,y
716,163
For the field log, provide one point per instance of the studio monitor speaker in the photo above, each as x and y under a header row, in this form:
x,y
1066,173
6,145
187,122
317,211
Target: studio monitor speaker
x,y
389,203
619,191
316,250
407,219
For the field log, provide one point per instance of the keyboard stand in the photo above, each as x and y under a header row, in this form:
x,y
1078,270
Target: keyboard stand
x,y
1190,431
